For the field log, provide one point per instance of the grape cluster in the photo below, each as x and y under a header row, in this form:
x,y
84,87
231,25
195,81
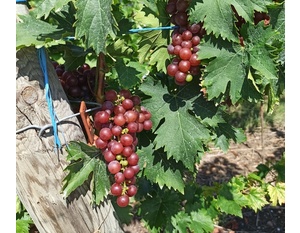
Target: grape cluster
x,y
184,43
79,83
118,121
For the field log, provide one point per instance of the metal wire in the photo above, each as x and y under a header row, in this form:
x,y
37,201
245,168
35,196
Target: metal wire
x,y
43,128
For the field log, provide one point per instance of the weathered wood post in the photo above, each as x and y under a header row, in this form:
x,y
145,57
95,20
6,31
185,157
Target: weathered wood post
x,y
39,171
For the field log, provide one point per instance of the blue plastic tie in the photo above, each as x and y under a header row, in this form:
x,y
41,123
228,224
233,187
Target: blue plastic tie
x,y
21,1
151,29
43,64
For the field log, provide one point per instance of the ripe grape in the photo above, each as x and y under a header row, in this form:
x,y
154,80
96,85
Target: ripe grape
x,y
117,148
184,66
126,140
111,95
116,189
114,167
101,117
185,53
119,177
133,159
132,190
128,173
123,200
172,69
119,119
105,134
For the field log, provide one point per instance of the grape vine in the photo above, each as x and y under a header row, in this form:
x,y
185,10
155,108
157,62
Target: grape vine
x,y
219,54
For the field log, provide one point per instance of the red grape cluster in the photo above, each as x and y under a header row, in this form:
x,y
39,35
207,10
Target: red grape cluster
x,y
121,117
79,83
184,46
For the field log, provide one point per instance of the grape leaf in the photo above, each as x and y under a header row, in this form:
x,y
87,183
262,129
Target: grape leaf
x,y
277,18
44,7
23,226
119,49
183,141
230,200
196,222
229,206
277,193
100,183
129,74
158,210
158,57
180,221
201,222
160,170
227,70
157,8
245,8
153,47
256,198
94,22
217,18
74,57
260,58
84,161
32,31
78,173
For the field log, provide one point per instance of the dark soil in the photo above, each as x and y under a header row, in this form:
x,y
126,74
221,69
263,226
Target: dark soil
x,y
217,166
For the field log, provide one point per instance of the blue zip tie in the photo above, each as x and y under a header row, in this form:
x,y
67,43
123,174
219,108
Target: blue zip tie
x,y
150,29
21,1
43,64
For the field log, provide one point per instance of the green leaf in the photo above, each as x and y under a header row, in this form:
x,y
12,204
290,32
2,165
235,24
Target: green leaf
x,y
85,164
245,8
100,183
158,57
225,71
130,74
74,57
119,49
260,58
277,193
94,22
256,198
201,222
153,47
160,170
181,221
44,7
183,141
78,173
196,221
80,150
22,226
229,206
33,32
277,18
157,211
217,17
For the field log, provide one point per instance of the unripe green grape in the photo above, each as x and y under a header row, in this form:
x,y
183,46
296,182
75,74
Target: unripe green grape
x,y
189,78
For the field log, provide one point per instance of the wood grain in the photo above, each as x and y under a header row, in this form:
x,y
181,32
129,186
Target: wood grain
x,y
39,170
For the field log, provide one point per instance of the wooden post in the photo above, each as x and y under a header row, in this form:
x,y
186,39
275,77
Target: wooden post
x,y
39,170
